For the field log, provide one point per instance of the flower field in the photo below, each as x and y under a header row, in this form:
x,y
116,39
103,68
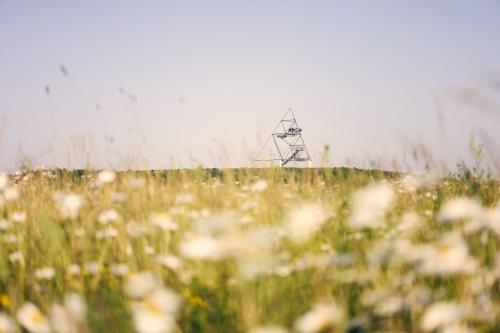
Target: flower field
x,y
248,250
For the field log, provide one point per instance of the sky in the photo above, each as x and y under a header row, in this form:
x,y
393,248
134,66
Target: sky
x,y
162,84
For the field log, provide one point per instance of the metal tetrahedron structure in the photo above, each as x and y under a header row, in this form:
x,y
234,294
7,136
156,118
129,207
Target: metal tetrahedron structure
x,y
285,144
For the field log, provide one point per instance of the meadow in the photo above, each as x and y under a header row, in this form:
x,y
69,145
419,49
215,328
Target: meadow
x,y
270,250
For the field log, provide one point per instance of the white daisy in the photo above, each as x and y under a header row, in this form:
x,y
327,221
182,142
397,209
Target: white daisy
x,y
440,315
269,329
75,305
149,250
461,209
106,177
69,317
411,182
7,324
410,221
390,305
259,186
106,233
18,217
119,269
448,256
107,216
169,261
10,238
45,273
156,313
203,247
163,221
305,220
141,284
4,181
32,319
136,230
4,225
74,269
93,267
16,256
11,193
320,318
69,204
370,205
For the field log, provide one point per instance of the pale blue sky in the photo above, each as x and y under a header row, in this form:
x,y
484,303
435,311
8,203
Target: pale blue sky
x,y
361,76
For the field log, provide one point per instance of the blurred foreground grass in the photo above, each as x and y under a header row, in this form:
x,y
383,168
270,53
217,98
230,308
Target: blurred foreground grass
x,y
236,250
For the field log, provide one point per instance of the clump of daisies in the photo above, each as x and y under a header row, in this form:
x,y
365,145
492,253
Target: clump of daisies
x,y
69,316
154,307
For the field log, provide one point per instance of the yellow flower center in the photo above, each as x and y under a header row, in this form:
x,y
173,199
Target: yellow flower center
x,y
37,318
4,301
152,307
444,248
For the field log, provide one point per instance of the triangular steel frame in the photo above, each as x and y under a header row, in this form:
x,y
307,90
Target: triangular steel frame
x,y
288,142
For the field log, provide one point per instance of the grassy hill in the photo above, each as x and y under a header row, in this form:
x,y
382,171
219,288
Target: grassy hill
x,y
231,250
